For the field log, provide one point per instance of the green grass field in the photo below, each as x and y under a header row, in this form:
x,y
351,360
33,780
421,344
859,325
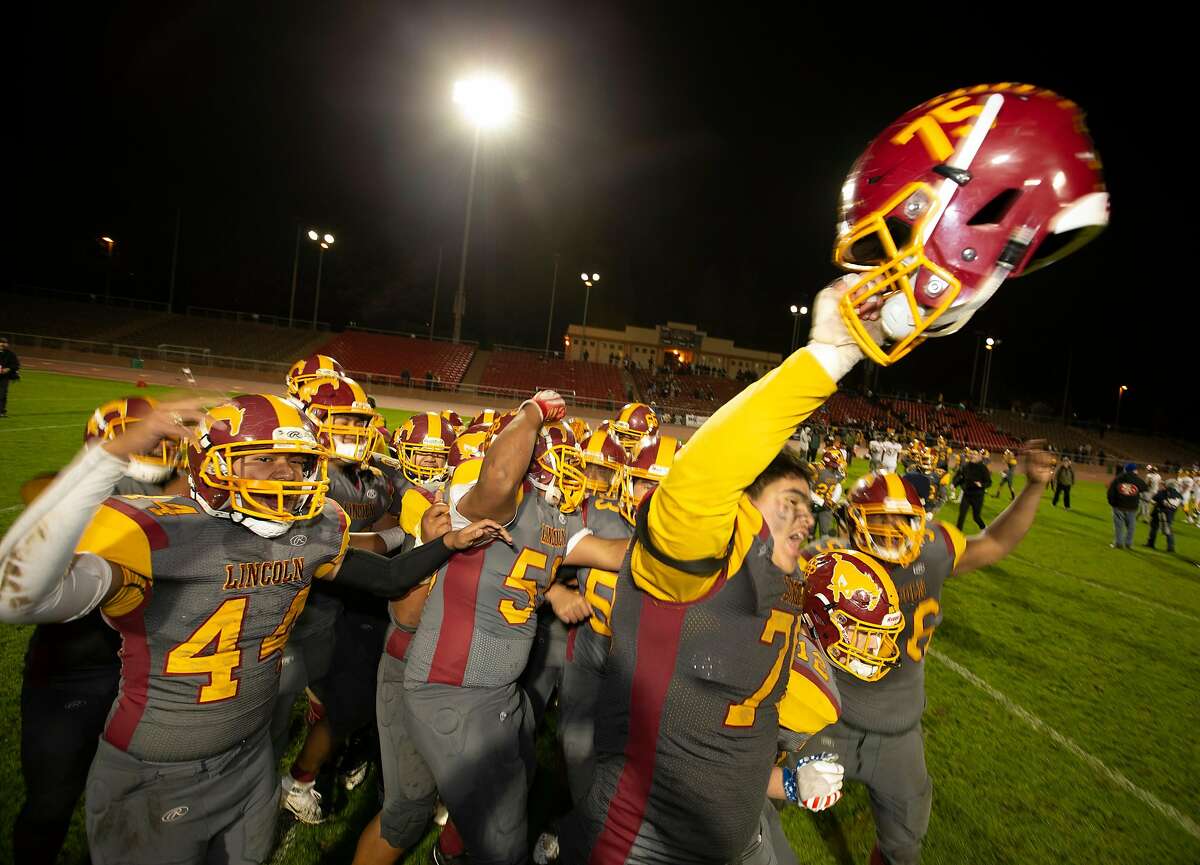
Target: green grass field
x,y
1061,687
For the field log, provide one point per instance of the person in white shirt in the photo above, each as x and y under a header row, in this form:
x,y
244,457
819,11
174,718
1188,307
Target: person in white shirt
x,y
1153,484
890,456
875,453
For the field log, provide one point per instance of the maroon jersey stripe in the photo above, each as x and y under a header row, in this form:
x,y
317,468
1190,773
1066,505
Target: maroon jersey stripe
x,y
659,628
397,644
460,588
135,677
946,540
571,640
154,532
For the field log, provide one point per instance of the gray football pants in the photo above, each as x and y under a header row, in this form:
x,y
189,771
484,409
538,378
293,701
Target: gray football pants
x,y
218,810
410,793
893,770
478,743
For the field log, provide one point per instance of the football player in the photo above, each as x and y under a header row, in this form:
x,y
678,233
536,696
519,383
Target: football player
x,y
1006,475
633,423
827,489
204,591
674,784
463,707
879,734
71,670
340,634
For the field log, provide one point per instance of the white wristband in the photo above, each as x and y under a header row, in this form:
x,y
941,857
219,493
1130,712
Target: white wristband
x,y
392,538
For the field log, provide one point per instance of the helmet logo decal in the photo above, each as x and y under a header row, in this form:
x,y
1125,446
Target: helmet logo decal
x,y
852,584
293,433
231,414
928,127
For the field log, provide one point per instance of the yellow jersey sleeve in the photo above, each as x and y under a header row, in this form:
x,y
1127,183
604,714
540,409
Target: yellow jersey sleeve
x,y
692,514
958,541
121,534
413,506
811,700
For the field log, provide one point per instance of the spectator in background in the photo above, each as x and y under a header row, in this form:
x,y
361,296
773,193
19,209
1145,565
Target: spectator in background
x,y
1166,502
850,440
974,478
10,366
1153,482
428,379
804,439
1064,479
1124,494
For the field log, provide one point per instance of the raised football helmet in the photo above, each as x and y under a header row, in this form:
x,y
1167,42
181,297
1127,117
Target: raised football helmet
x,y
312,367
111,420
556,469
852,609
605,462
344,417
886,518
257,425
423,446
634,422
961,192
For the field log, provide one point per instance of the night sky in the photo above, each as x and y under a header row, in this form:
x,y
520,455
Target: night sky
x,y
693,160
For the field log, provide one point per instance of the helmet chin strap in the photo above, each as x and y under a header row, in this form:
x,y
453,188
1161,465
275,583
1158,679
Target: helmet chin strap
x,y
263,528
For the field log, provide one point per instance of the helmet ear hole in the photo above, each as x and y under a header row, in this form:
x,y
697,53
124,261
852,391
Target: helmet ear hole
x,y
995,210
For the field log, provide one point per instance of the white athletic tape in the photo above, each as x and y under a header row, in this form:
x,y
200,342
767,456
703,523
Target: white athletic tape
x,y
1149,799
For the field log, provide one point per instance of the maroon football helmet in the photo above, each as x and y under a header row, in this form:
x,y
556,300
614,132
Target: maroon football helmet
x,y
111,420
556,469
634,422
852,609
961,192
312,367
886,518
425,435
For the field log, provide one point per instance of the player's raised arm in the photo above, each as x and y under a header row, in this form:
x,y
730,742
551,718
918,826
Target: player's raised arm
x,y
691,515
41,578
1005,532
494,495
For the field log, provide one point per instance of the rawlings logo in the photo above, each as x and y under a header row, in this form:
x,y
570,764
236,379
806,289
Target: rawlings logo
x,y
298,540
294,433
175,813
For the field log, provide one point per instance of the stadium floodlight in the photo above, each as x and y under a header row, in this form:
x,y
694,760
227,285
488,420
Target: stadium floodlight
x,y
795,309
487,100
108,240
312,235
329,238
583,276
804,310
595,277
990,342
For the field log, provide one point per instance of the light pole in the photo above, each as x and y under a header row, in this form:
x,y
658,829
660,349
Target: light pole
x,y
295,273
109,243
797,311
1120,395
553,291
991,345
588,280
488,103
324,241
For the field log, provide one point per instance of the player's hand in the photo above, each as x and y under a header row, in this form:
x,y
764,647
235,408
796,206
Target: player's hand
x,y
549,404
819,781
435,522
1039,463
172,421
476,534
568,605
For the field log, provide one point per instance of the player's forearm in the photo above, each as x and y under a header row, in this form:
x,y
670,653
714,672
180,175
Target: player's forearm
x,y
1005,532
38,580
691,515
394,577
504,467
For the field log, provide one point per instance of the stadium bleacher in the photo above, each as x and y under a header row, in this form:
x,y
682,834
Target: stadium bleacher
x,y
531,371
395,355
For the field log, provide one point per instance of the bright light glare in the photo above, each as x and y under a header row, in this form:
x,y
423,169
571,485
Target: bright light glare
x,y
107,239
795,309
990,342
312,235
595,277
804,310
329,238
583,276
487,101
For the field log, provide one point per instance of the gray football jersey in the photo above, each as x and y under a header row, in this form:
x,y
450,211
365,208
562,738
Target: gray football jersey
x,y
127,486
364,494
478,624
598,587
896,702
205,612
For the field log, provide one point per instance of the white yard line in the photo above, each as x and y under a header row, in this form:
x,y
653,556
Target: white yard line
x,y
4,429
11,508
1149,799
